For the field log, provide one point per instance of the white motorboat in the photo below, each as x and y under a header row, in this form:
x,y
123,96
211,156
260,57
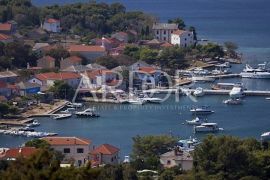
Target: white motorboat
x,y
200,71
268,98
150,99
265,136
198,92
201,111
35,123
224,65
257,73
207,127
196,121
203,78
137,101
61,116
90,112
65,111
233,101
74,105
237,92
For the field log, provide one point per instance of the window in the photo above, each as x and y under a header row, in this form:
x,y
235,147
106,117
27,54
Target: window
x,y
188,34
171,31
168,162
164,38
164,32
80,150
185,39
66,150
111,159
157,32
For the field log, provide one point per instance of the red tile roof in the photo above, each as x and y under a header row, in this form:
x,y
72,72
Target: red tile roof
x,y
74,59
106,149
57,76
48,58
147,69
5,27
166,44
17,152
4,37
85,48
93,74
51,20
67,141
178,32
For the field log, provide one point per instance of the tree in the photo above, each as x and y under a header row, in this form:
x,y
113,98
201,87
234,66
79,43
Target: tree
x,y
193,30
178,21
107,61
62,90
38,143
231,48
211,50
148,55
59,53
4,109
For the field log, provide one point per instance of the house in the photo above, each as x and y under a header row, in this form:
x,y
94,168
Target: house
x,y
7,28
70,61
8,76
27,88
121,36
46,62
76,69
38,48
107,43
154,43
7,89
48,79
5,38
105,154
14,153
52,25
166,45
132,35
182,38
88,52
177,157
163,31
76,150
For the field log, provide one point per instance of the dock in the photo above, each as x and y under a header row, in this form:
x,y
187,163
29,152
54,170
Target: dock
x,y
226,92
16,122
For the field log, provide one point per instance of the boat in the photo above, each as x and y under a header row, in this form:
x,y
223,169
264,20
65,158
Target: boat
x,y
225,86
196,121
203,78
234,101
237,92
265,136
257,73
90,112
61,116
201,111
137,101
150,99
268,98
224,65
200,71
65,111
35,123
198,92
207,127
74,105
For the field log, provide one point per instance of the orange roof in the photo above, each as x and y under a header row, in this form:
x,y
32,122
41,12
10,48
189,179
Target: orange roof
x,y
84,48
4,37
147,69
105,149
51,20
166,44
48,58
178,32
5,27
99,72
16,152
66,141
57,76
74,59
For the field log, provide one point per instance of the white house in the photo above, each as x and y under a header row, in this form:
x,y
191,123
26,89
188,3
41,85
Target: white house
x,y
182,38
76,150
48,79
177,157
163,31
105,154
52,25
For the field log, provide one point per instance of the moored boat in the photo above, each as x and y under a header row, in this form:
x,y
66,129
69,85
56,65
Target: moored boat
x,y
90,112
257,73
237,92
196,121
61,116
207,127
233,101
198,92
201,111
74,105
35,123
265,136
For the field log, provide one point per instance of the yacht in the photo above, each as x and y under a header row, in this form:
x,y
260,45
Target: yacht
x,y
207,127
257,73
233,101
61,116
201,111
198,92
35,123
74,105
265,136
196,121
237,92
90,112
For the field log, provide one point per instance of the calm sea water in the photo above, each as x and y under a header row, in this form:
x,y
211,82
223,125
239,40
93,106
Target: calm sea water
x,y
242,21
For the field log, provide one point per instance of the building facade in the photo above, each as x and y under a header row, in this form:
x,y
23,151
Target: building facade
x,y
52,25
182,38
163,31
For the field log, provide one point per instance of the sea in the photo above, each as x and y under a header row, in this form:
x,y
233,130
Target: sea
x,y
245,22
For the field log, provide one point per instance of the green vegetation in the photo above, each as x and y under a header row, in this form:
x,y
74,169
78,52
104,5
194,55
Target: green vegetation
x,y
179,21
38,143
58,53
6,109
114,61
231,49
62,90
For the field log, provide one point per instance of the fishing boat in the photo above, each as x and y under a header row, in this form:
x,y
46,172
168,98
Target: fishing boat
x,y
265,136
90,112
201,111
61,116
207,127
196,121
198,92
257,73
231,101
